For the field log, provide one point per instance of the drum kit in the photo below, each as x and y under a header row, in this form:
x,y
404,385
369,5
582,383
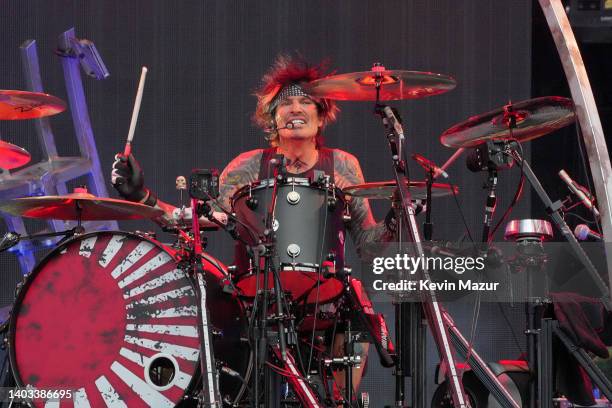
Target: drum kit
x,y
123,320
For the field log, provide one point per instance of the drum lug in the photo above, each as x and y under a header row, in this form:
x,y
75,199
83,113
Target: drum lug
x,y
332,202
293,197
293,250
252,203
146,234
346,215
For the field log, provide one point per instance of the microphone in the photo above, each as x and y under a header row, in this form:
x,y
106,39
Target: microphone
x,y
582,233
289,125
429,165
577,190
293,123
232,373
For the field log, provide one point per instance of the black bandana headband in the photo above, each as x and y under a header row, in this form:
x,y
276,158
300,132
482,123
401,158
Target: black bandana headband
x,y
286,92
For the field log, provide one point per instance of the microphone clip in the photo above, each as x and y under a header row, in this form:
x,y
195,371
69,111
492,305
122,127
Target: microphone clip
x,y
9,240
280,162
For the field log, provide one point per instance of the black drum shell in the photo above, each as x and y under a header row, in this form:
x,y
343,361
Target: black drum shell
x,y
315,223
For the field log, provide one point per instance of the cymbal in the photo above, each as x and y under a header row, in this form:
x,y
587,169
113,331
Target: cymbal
x,y
15,105
386,190
66,207
533,118
12,156
395,85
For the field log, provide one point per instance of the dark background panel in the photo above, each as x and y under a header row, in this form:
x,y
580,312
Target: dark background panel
x,y
205,58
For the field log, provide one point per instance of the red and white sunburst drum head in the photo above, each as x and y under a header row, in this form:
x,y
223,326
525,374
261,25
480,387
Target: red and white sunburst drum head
x,y
96,312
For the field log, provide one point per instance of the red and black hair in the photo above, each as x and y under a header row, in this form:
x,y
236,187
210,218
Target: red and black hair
x,y
285,71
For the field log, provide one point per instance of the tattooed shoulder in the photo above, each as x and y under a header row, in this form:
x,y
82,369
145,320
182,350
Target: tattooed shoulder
x,y
241,171
243,168
347,170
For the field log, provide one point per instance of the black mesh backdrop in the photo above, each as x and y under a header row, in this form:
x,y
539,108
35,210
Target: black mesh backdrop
x,y
205,58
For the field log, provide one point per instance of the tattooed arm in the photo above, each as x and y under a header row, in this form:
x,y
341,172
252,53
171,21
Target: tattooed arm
x,y
363,228
241,171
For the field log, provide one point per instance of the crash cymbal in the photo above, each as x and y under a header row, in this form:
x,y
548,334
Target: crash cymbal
x,y
532,118
12,156
394,85
15,105
78,205
386,190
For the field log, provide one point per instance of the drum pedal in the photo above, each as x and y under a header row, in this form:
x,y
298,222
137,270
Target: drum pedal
x,y
227,286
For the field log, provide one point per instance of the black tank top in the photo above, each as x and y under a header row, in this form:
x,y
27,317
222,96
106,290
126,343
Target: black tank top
x,y
325,163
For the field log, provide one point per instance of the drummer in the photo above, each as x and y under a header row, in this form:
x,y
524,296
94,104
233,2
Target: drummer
x,y
294,122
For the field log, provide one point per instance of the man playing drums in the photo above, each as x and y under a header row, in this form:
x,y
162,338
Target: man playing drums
x,y
294,122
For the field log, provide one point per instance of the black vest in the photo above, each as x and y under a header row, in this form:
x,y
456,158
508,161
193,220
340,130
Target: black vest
x,y
325,163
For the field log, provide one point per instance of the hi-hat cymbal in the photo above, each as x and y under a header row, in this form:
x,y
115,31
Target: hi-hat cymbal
x,y
78,205
530,119
386,190
15,105
12,156
394,85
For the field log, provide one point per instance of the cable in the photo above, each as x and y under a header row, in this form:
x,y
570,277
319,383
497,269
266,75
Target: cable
x,y
319,273
591,222
475,317
516,341
467,228
251,232
285,373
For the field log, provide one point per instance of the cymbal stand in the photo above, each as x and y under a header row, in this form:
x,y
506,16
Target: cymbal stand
x,y
263,343
554,211
428,226
10,239
491,203
530,259
210,395
431,309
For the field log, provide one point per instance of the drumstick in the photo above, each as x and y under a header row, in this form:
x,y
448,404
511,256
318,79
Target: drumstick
x,y
452,159
128,144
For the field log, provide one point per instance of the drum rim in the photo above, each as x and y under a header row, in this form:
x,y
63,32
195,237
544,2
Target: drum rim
x,y
298,181
196,377
251,276
36,270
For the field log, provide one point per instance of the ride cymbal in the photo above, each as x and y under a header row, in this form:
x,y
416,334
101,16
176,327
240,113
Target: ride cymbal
x,y
386,190
79,205
394,85
528,120
16,105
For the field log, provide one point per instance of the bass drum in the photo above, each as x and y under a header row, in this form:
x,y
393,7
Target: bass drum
x,y
112,317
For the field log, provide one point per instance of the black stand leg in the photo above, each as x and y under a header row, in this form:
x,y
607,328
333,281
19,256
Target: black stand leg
x,y
402,363
545,362
418,356
348,376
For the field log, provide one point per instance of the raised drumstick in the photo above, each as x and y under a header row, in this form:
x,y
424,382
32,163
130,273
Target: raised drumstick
x,y
128,143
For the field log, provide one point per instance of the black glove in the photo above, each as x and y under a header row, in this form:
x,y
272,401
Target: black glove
x,y
128,179
391,221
